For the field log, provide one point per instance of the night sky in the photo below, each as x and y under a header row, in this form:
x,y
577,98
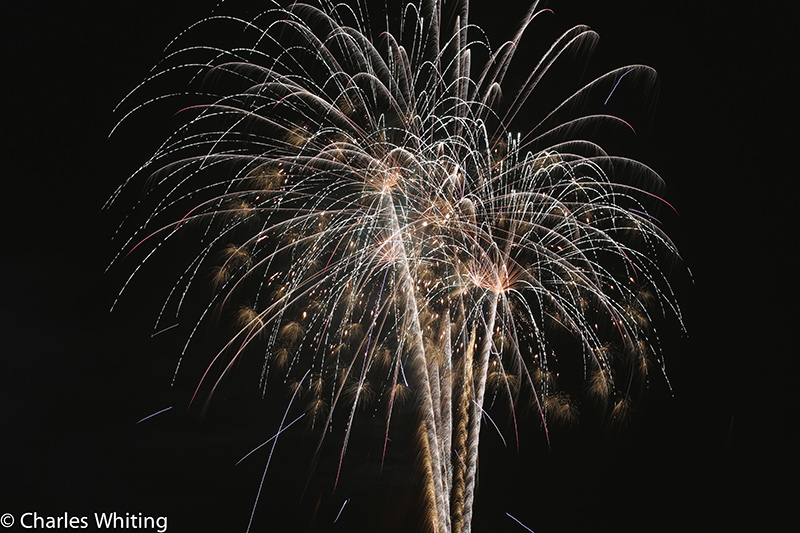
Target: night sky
x,y
713,453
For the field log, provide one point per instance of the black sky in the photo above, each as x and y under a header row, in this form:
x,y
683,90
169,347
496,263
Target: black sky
x,y
75,378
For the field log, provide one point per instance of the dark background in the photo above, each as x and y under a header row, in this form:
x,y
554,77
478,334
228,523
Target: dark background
x,y
714,453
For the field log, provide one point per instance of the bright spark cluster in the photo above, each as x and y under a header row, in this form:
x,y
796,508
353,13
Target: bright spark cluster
x,y
378,235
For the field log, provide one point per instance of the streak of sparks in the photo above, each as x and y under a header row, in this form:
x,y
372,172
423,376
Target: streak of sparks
x,y
154,414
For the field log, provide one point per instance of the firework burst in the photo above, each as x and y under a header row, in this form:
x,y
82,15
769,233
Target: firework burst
x,y
377,235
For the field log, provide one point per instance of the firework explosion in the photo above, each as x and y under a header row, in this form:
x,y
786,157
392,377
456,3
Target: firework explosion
x,y
379,236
